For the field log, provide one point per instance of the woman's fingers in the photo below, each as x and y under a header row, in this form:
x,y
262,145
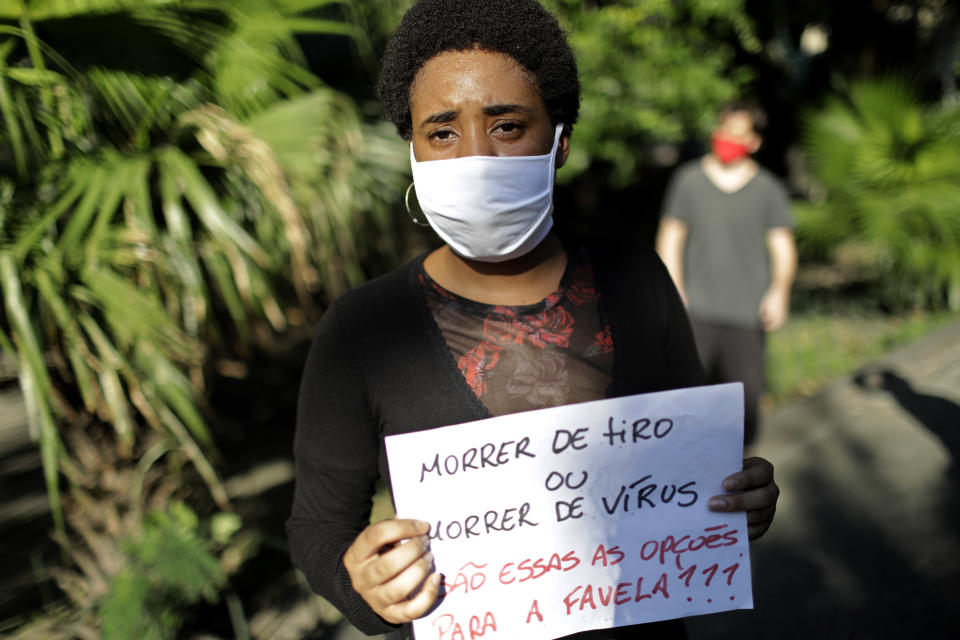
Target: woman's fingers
x,y
762,498
757,496
415,607
391,567
374,538
755,531
760,516
756,472
383,550
391,563
403,585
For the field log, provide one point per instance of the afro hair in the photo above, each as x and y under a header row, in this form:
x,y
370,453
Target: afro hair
x,y
522,29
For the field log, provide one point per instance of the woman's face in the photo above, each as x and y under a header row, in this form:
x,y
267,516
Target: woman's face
x,y
479,103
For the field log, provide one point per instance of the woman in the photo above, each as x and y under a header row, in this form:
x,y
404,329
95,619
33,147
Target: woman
x,y
504,317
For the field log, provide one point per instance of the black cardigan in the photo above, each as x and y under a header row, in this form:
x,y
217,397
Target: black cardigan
x,y
379,366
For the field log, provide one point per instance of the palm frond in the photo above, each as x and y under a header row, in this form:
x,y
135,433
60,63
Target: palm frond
x,y
115,399
194,189
48,9
34,381
891,169
82,360
174,181
10,116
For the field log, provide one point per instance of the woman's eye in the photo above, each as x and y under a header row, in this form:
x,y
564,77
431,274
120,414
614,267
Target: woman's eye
x,y
441,134
510,127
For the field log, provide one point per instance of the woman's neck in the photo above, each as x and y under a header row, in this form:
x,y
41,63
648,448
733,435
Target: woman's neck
x,y
524,280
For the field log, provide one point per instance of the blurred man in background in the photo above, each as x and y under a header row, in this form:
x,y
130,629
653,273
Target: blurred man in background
x,y
726,237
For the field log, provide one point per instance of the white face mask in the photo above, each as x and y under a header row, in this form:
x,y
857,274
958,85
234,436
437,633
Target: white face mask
x,y
488,208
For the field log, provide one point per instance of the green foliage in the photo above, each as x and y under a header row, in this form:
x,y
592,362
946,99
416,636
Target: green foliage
x,y
890,170
168,201
379,18
169,565
652,71
139,556
820,344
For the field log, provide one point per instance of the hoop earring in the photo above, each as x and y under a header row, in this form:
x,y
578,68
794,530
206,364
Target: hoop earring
x,y
413,218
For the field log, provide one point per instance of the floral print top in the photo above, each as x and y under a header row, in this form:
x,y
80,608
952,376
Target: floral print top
x,y
554,352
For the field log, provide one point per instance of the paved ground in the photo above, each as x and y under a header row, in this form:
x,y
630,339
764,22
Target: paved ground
x,y
866,542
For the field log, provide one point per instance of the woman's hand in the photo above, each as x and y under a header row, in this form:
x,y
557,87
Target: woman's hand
x,y
391,567
757,495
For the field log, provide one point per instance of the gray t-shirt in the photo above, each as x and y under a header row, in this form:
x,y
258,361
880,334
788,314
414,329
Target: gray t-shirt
x,y
726,267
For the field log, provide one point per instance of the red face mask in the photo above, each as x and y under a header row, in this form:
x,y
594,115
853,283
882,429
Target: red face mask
x,y
727,150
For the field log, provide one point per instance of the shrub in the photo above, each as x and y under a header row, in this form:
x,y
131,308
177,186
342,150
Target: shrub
x,y
170,175
889,167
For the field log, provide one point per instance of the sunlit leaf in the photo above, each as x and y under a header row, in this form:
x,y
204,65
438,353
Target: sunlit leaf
x,y
34,381
133,313
14,130
112,389
77,350
35,77
203,200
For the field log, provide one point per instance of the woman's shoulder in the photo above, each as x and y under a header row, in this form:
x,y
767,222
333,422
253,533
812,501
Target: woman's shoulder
x,y
382,292
365,320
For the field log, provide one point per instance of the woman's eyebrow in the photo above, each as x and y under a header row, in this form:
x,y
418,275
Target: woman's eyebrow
x,y
440,118
501,109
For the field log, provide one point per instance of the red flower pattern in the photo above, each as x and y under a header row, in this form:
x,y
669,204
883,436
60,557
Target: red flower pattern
x,y
500,326
552,326
541,380
475,365
551,300
604,341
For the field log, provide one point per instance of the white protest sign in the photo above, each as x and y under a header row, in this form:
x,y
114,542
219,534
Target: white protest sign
x,y
585,516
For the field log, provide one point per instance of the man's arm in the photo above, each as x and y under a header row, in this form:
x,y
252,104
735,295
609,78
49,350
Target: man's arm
x,y
671,242
775,305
